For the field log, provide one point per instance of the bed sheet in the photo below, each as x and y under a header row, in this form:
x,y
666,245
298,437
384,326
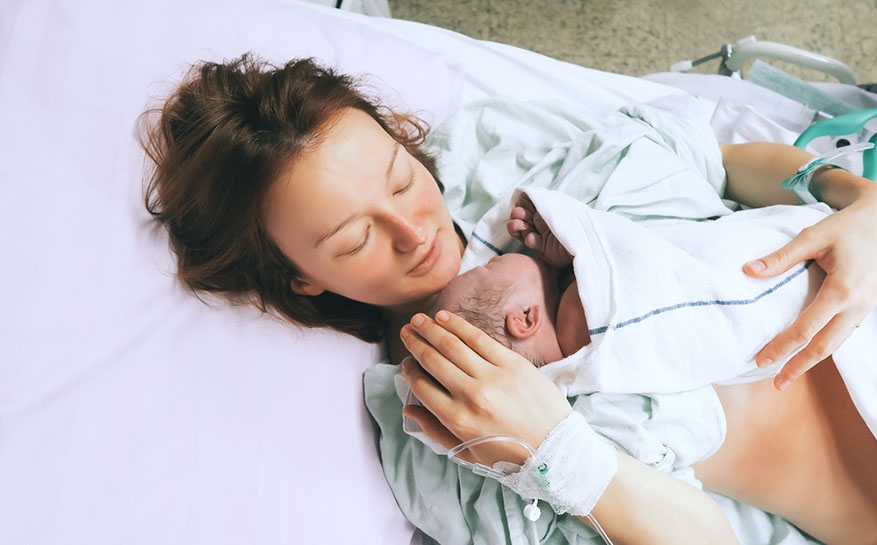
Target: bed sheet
x,y
131,411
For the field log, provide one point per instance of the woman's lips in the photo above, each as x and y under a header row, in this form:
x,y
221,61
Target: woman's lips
x,y
429,260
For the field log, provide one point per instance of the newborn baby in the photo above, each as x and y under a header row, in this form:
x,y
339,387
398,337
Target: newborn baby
x,y
668,308
523,303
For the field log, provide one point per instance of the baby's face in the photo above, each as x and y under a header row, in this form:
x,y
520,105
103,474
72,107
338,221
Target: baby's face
x,y
517,271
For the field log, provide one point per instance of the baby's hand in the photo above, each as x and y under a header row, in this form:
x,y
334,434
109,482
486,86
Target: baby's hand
x,y
528,226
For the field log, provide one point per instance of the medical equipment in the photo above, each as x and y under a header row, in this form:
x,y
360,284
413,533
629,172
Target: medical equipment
x,y
531,511
845,129
734,55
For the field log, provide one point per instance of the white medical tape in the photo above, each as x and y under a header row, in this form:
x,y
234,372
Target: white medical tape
x,y
570,471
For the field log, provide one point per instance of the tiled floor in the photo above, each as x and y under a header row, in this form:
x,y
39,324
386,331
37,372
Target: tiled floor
x,y
642,36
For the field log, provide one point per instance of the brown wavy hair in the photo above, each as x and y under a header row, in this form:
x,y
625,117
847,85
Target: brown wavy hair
x,y
218,144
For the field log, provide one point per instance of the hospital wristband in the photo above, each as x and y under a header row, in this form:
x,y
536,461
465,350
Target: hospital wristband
x,y
570,470
800,182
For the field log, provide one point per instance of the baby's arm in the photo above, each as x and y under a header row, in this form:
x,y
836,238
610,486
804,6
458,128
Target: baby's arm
x,y
527,225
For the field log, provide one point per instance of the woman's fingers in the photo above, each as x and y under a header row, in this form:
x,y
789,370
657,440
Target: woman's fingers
x,y
432,394
820,347
439,407
797,250
842,246
820,329
435,429
475,386
449,346
433,352
802,331
490,351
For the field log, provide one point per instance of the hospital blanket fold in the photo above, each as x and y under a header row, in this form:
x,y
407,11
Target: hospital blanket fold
x,y
645,161
668,305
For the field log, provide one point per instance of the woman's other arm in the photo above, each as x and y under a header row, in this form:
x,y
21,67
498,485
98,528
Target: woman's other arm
x,y
756,171
844,245
644,506
471,386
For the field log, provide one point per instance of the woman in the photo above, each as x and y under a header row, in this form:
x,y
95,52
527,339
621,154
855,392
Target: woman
x,y
289,189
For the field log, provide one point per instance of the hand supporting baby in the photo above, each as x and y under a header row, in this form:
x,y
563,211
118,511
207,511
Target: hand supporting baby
x,y
527,225
472,386
844,245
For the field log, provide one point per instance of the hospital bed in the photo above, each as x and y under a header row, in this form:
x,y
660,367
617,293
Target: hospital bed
x,y
133,412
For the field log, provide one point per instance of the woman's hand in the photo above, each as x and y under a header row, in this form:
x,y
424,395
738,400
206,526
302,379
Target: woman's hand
x,y
474,386
470,385
844,245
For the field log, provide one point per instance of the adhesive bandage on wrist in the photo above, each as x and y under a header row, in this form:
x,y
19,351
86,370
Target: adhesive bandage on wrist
x,y
571,468
800,182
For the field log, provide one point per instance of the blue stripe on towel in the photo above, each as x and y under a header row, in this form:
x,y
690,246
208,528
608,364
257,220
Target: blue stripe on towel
x,y
731,302
488,244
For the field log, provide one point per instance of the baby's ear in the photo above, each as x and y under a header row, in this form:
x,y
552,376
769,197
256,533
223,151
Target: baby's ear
x,y
523,322
303,286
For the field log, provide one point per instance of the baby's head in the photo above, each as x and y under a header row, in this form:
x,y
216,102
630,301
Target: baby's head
x,y
514,299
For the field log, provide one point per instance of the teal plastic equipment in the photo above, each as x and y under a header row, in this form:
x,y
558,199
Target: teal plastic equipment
x,y
846,124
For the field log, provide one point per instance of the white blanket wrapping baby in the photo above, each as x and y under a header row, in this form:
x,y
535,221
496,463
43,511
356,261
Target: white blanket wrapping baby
x,y
668,306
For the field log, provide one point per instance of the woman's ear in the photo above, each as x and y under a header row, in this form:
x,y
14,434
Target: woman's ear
x,y
523,322
303,286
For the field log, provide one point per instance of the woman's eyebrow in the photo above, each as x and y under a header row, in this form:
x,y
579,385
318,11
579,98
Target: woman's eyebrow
x,y
344,223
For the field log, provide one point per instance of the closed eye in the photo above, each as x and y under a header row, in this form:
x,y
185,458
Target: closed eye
x,y
410,183
406,188
361,245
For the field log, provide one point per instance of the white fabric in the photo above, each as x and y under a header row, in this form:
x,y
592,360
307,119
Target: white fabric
x,y
571,469
856,362
785,112
668,306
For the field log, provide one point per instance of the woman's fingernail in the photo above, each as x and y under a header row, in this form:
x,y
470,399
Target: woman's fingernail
x,y
757,266
442,316
783,384
417,319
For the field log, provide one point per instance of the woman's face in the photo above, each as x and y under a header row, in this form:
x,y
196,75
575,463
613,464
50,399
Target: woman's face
x,y
362,218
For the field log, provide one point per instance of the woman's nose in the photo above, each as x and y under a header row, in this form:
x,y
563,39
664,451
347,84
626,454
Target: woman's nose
x,y
407,234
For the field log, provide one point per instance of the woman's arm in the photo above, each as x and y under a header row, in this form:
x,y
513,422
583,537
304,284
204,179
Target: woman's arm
x,y
643,505
756,171
844,245
471,386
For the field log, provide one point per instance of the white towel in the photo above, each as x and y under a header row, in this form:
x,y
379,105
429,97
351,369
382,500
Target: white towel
x,y
668,306
856,361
